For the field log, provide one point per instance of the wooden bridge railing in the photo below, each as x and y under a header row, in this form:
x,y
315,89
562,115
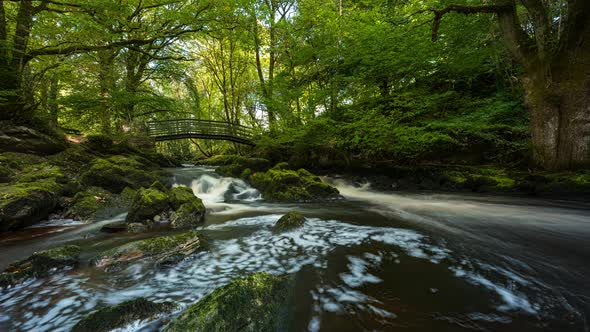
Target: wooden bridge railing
x,y
193,128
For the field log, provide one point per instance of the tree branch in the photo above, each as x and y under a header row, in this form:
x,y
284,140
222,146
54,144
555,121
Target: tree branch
x,y
463,9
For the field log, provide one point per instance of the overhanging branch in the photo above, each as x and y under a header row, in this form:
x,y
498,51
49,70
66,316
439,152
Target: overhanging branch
x,y
464,9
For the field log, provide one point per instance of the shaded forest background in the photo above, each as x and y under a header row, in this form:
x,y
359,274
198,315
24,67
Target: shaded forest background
x,y
323,83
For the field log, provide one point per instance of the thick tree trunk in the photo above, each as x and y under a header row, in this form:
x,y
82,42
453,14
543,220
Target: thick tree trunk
x,y
560,118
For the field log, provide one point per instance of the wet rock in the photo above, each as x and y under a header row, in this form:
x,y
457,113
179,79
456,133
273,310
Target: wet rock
x,y
178,205
148,203
40,264
163,250
259,302
284,185
114,227
189,209
136,227
109,318
24,204
289,221
87,204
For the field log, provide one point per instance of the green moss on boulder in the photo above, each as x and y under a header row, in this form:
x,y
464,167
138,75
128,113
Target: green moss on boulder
x,y
117,172
280,184
163,250
234,165
40,264
87,204
288,222
24,204
189,209
109,318
148,203
256,303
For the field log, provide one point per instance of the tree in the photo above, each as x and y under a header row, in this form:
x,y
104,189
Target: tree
x,y
552,43
17,47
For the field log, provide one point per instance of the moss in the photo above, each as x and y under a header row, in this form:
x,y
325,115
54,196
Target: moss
x,y
110,318
188,215
245,175
163,250
42,172
147,204
19,161
259,302
234,165
24,204
279,184
87,204
180,195
6,174
117,172
40,264
289,221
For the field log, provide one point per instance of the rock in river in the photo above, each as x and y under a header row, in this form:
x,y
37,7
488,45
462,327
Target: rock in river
x,y
289,221
40,264
163,250
256,303
109,318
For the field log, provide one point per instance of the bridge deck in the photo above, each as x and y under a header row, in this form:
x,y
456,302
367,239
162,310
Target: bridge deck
x,y
167,130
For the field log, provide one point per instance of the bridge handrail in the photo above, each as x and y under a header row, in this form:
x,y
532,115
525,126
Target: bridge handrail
x,y
187,127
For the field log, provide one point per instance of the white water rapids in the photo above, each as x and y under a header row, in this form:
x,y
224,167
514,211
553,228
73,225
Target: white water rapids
x,y
371,262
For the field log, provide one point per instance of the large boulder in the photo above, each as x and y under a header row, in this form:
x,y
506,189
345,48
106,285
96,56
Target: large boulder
x,y
285,185
113,317
259,302
178,206
27,140
149,203
163,250
189,210
117,172
288,222
40,264
26,203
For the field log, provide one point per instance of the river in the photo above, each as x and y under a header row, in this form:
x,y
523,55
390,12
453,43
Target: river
x,y
370,262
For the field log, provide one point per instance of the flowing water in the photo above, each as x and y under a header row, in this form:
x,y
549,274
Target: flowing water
x,y
371,262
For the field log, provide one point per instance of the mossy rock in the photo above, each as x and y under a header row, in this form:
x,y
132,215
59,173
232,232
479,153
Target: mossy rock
x,y
189,215
234,165
256,303
24,204
163,250
288,222
117,172
42,172
88,204
280,184
6,174
40,264
113,317
189,209
148,203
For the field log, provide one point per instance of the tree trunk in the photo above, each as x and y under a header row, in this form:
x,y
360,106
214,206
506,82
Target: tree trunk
x,y
560,117
52,104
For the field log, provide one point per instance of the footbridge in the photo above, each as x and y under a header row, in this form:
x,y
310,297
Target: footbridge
x,y
167,130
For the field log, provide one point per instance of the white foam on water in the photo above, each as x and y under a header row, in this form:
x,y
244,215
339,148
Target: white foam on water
x,y
259,250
